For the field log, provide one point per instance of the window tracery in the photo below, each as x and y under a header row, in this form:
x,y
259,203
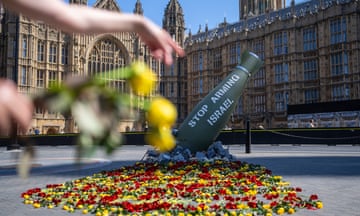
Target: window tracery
x,y
107,55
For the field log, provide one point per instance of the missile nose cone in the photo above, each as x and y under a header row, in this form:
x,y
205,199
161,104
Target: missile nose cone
x,y
251,62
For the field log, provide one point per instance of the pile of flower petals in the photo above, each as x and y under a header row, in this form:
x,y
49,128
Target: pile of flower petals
x,y
182,188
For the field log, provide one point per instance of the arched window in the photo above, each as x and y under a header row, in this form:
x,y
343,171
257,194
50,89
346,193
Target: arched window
x,y
41,51
105,56
24,47
52,53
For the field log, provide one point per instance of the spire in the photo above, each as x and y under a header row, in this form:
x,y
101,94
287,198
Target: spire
x,y
173,21
107,5
83,2
138,8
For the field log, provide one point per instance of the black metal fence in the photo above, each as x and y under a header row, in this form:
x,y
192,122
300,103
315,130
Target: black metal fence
x,y
334,136
326,136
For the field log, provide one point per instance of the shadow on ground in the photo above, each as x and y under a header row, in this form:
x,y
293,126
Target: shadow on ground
x,y
314,165
295,166
70,169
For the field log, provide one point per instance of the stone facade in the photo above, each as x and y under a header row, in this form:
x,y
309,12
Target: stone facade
x,y
310,50
36,55
311,54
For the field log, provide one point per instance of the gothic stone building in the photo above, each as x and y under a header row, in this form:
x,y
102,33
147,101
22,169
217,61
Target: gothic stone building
x,y
36,55
311,54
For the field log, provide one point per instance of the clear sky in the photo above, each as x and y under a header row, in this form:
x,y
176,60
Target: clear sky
x,y
196,12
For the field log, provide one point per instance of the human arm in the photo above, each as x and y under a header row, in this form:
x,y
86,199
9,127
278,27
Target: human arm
x,y
14,107
83,19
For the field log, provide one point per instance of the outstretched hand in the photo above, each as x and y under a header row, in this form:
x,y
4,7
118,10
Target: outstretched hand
x,y
14,107
160,43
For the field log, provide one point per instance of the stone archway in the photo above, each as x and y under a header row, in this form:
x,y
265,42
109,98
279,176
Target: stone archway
x,y
52,130
108,53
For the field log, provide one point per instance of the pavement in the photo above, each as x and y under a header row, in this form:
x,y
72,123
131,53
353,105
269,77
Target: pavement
x,y
331,172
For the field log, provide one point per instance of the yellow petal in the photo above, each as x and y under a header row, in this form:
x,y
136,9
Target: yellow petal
x,y
161,112
143,78
161,139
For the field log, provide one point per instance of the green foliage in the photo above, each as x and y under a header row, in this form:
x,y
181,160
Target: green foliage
x,y
96,108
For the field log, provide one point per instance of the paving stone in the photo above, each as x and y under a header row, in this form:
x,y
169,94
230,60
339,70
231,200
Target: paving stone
x,y
331,172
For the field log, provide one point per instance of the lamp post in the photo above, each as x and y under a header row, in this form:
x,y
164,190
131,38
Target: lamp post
x,y
248,137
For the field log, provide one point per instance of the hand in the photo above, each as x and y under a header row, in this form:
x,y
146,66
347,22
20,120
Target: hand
x,y
14,107
84,19
159,42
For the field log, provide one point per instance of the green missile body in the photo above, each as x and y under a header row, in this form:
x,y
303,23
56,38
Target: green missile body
x,y
203,125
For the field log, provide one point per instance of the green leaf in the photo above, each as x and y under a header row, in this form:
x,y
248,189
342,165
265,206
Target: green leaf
x,y
116,74
61,102
87,120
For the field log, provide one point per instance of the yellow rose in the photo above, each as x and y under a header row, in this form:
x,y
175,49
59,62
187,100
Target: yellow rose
x,y
280,211
36,205
142,79
291,211
161,139
161,112
319,205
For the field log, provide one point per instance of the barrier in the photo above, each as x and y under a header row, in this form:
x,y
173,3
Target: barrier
x,y
301,136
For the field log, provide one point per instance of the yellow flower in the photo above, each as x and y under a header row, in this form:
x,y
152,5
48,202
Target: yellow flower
x,y
28,202
233,213
280,211
143,78
36,205
161,139
319,205
161,112
266,206
291,211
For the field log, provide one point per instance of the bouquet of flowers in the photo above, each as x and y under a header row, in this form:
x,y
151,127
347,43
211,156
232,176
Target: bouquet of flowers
x,y
98,109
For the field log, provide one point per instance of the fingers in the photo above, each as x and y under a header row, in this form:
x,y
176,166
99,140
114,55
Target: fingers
x,y
166,53
163,55
175,47
22,111
163,46
170,47
7,89
5,122
14,107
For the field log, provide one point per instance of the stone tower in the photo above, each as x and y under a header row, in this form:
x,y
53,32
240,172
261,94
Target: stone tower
x,y
173,21
138,8
83,2
248,8
173,79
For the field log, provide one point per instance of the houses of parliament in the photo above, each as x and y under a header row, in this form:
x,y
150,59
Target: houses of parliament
x,y
311,54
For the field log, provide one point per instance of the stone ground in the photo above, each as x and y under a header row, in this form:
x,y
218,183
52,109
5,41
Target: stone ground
x,y
332,172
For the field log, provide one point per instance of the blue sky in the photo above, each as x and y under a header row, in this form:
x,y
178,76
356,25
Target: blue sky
x,y
196,12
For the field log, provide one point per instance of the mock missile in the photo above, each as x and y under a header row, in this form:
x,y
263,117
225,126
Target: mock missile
x,y
203,125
